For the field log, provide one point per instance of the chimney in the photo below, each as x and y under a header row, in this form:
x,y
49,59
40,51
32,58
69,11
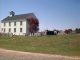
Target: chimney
x,y
12,13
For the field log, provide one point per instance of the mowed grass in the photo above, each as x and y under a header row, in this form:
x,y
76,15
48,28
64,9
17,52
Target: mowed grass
x,y
61,44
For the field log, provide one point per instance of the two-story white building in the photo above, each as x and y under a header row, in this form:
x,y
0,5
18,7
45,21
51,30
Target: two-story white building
x,y
17,24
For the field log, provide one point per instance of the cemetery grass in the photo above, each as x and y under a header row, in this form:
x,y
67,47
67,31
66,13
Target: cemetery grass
x,y
60,44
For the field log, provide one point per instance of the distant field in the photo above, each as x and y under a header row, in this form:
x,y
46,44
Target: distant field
x,y
61,44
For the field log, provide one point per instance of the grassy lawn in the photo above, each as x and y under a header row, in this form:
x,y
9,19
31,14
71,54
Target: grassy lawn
x,y
61,44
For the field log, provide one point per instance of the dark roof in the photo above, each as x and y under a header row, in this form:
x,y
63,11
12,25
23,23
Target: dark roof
x,y
17,17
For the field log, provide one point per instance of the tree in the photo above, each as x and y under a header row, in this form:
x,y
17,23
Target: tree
x,y
12,13
77,30
68,31
33,24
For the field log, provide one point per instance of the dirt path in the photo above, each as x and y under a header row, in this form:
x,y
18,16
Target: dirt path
x,y
17,55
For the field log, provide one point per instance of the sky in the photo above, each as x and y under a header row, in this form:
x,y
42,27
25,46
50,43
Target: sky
x,y
52,14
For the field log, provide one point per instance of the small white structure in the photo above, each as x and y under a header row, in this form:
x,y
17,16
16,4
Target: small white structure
x,y
16,24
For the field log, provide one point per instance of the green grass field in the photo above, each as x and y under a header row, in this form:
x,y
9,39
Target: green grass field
x,y
61,44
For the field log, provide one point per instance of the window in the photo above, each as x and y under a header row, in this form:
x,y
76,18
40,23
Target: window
x,y
14,29
20,29
4,23
4,29
20,22
9,29
14,23
9,23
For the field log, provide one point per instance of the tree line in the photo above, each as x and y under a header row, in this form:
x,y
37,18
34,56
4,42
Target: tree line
x,y
68,31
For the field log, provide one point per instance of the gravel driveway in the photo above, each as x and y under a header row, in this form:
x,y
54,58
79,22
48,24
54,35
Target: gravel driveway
x,y
17,55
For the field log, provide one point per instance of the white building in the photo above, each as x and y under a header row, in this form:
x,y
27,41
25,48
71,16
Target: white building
x,y
17,24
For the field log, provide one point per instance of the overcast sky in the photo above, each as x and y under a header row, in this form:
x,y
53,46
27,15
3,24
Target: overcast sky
x,y
52,14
